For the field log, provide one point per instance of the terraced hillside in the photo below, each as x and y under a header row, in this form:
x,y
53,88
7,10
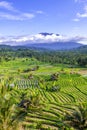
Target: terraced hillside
x,y
37,96
44,109
73,88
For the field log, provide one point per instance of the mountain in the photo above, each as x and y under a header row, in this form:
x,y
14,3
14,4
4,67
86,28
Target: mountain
x,y
42,41
82,49
46,46
55,45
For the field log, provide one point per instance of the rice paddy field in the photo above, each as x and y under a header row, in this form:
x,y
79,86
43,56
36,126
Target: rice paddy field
x,y
46,97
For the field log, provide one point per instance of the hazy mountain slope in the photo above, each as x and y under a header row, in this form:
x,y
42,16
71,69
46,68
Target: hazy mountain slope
x,y
56,45
47,46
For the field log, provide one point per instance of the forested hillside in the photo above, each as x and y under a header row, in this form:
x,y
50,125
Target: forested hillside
x,y
76,57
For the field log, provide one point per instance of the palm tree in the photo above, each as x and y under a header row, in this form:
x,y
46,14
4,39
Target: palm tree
x,y
9,112
78,118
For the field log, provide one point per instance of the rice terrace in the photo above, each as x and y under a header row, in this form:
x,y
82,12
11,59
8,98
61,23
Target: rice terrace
x,y
43,65
37,94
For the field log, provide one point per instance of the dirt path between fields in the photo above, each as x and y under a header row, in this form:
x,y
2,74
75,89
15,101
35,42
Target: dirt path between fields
x,y
83,72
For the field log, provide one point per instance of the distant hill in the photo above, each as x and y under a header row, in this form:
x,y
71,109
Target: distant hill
x,y
55,45
47,46
82,49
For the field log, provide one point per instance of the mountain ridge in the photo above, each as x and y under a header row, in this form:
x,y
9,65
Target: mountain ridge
x,y
48,46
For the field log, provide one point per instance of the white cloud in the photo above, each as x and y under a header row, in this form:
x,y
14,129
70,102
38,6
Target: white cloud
x,y
39,12
81,15
80,1
84,15
21,16
7,5
14,14
76,19
39,38
27,15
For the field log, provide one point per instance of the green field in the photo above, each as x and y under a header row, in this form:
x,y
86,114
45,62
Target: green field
x,y
41,96
19,64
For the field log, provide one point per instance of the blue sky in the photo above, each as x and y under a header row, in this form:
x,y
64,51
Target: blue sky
x,y
24,19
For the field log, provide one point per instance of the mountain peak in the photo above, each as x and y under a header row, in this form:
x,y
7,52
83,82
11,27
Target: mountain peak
x,y
46,34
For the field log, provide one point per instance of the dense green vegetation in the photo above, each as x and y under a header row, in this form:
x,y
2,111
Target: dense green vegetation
x,y
43,90
44,104
74,57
